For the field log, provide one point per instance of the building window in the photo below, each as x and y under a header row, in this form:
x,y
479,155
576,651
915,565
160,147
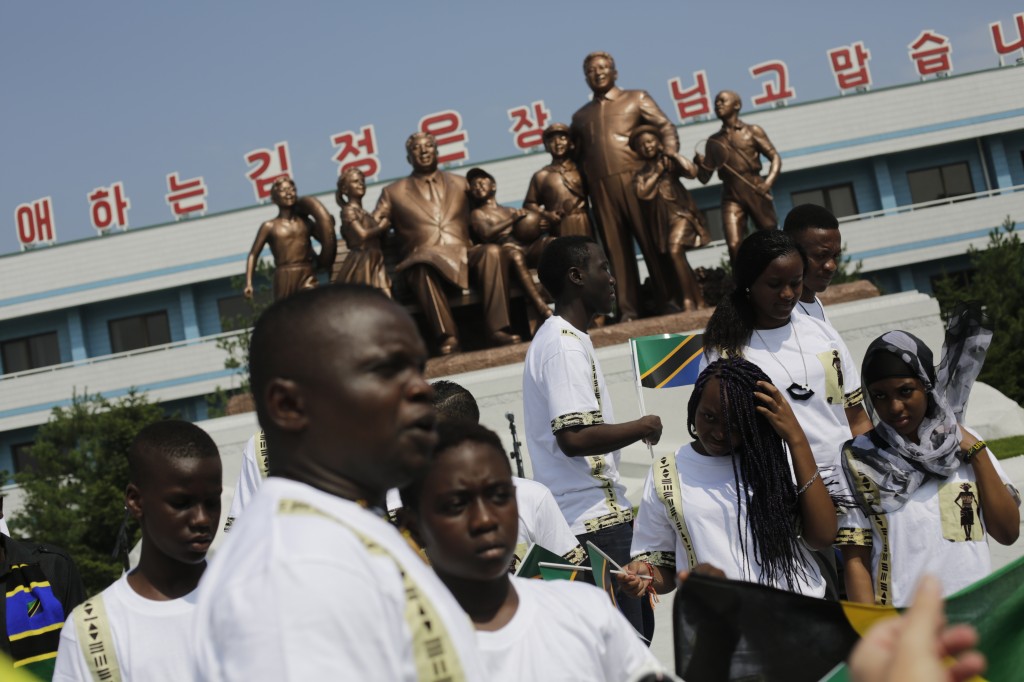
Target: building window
x,y
943,182
30,352
839,200
140,331
21,453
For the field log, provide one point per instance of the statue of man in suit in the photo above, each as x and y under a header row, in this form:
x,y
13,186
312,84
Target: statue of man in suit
x,y
600,132
429,211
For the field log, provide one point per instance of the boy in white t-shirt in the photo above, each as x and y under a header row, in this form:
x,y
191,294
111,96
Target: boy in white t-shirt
x,y
464,510
139,627
570,431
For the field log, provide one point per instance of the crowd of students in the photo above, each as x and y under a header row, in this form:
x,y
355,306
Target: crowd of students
x,y
792,457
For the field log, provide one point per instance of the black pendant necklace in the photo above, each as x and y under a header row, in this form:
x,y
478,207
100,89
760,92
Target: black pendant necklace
x,y
796,391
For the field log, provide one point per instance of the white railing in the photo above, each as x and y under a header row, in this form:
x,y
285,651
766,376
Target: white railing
x,y
213,338
908,208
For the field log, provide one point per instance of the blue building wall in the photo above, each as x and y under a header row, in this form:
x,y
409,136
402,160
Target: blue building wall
x,y
931,157
207,295
95,317
39,324
859,173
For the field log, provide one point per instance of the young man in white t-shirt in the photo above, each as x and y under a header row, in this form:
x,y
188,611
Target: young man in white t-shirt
x,y
139,628
313,583
571,432
816,230
464,510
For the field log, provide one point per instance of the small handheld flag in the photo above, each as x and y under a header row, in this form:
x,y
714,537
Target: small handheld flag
x,y
533,566
603,566
667,360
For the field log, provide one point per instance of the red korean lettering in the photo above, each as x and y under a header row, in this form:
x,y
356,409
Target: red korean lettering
x,y
849,65
185,196
528,124
931,53
999,42
269,165
34,221
446,127
108,207
776,88
357,149
691,102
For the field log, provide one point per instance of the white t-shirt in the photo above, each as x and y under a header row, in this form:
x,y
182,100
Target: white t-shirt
x,y
926,535
815,310
831,374
250,477
707,487
296,595
541,522
562,387
152,638
564,630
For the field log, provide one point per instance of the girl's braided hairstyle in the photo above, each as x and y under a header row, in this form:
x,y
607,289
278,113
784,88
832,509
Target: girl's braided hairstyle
x,y
761,464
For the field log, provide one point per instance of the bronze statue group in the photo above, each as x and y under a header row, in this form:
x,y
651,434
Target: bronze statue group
x,y
803,466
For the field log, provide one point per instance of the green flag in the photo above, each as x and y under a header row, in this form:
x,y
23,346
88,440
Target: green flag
x,y
602,564
667,360
530,565
995,607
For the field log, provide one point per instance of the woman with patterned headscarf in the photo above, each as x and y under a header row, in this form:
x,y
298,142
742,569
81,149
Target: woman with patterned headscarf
x,y
927,488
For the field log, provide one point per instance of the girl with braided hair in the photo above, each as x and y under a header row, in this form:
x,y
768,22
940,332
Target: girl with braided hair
x,y
729,498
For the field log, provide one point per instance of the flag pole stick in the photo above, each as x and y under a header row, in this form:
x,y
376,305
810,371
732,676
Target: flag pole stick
x,y
639,387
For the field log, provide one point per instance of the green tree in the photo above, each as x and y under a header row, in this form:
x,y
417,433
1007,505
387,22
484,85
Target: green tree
x,y
74,497
997,280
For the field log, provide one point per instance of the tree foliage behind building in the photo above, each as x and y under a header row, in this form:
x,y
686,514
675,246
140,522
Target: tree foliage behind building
x,y
74,494
997,280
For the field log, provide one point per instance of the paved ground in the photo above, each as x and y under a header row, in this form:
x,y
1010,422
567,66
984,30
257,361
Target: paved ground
x,y
1001,555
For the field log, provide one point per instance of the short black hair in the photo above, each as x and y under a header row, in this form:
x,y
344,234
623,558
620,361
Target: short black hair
x,y
284,329
808,216
451,434
164,440
560,255
454,401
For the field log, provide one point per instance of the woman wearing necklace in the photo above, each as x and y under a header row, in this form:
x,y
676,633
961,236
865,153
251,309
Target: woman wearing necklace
x,y
928,491
757,322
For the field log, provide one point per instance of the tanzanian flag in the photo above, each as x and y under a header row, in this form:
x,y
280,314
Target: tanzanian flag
x,y
530,566
667,360
731,630
995,607
602,565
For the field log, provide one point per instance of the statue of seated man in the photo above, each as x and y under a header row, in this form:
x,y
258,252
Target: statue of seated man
x,y
290,235
493,223
429,212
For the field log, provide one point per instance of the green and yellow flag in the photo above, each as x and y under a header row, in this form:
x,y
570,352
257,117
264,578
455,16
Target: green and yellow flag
x,y
602,565
667,360
530,567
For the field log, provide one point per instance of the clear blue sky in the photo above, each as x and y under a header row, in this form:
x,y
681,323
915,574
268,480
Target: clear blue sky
x,y
100,92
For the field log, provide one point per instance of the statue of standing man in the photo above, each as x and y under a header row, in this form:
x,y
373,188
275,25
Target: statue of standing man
x,y
735,152
600,132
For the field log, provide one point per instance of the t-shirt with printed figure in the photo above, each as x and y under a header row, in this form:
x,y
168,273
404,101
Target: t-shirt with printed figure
x,y
150,639
830,373
563,387
940,531
310,586
564,630
706,488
